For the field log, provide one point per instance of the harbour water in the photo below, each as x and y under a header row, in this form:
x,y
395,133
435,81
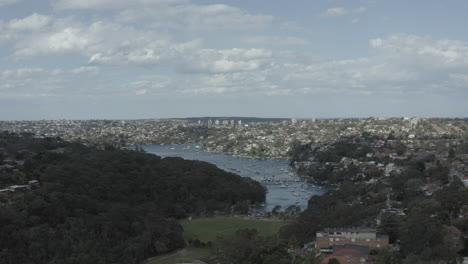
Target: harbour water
x,y
284,187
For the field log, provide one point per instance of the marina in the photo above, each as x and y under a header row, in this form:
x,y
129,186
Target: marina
x,y
284,187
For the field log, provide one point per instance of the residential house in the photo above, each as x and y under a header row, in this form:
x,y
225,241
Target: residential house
x,y
361,236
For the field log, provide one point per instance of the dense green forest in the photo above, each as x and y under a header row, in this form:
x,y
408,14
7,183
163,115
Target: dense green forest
x,y
105,205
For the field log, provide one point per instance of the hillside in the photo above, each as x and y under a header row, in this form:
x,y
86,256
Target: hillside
x,y
105,206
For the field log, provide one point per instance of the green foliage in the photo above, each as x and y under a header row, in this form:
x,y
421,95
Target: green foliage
x,y
401,149
452,198
333,261
109,206
451,153
390,225
312,257
246,246
387,256
422,234
333,209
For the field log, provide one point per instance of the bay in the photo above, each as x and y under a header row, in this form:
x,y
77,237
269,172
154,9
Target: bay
x,y
284,187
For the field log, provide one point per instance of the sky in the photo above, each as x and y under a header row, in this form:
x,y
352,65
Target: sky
x,y
122,59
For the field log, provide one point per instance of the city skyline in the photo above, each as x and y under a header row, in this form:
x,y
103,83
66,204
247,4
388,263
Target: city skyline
x,y
103,59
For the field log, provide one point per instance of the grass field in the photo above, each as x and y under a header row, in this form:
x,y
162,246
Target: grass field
x,y
206,229
183,255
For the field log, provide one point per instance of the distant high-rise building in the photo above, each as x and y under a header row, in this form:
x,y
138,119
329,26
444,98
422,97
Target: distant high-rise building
x,y
239,122
225,122
293,121
415,121
210,122
217,122
199,122
232,123
313,119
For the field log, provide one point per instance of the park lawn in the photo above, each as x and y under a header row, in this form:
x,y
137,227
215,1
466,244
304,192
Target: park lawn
x,y
207,229
188,254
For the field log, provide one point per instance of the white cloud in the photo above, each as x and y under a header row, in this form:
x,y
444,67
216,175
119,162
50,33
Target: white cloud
x,y
341,11
424,52
399,63
275,40
109,4
180,14
21,73
359,10
61,41
28,82
32,22
231,83
336,11
149,85
223,61
196,17
103,42
141,92
85,70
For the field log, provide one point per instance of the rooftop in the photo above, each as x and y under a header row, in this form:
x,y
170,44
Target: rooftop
x,y
350,229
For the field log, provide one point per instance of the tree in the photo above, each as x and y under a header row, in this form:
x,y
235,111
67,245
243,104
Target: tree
x,y
246,246
333,261
390,225
293,209
401,149
388,256
276,209
451,153
313,257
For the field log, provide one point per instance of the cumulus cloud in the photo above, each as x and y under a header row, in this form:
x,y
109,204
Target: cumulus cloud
x,y
85,70
103,42
423,51
336,11
132,38
180,14
109,4
197,17
231,83
341,11
21,73
149,85
402,63
222,61
32,22
27,82
275,40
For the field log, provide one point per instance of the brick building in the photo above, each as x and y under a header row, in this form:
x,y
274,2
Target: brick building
x,y
361,236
